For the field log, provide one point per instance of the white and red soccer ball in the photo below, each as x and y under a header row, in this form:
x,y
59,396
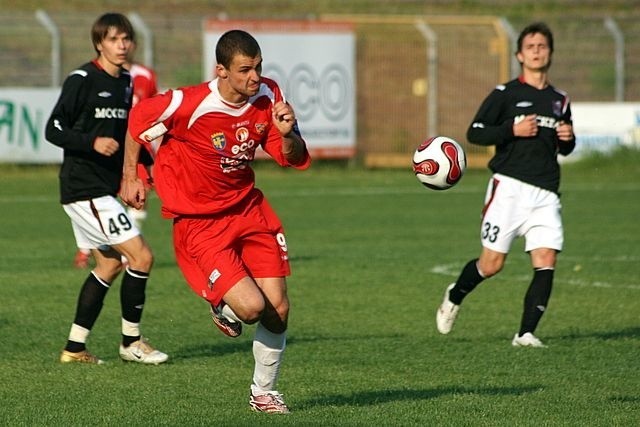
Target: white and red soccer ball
x,y
439,163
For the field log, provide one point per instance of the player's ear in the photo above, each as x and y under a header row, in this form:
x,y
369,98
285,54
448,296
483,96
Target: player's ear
x,y
519,57
221,72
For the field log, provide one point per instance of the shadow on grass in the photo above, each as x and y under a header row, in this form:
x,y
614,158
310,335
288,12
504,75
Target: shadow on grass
x,y
243,345
603,335
375,397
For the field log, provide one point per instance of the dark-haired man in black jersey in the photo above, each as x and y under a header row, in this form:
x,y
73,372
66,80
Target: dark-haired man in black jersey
x,y
89,122
529,123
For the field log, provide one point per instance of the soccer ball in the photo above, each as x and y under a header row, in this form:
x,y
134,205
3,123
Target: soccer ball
x,y
439,162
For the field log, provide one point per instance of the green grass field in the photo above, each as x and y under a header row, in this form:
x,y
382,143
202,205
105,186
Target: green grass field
x,y
372,252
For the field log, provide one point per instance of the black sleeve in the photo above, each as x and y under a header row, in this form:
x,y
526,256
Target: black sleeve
x,y
489,126
566,147
60,128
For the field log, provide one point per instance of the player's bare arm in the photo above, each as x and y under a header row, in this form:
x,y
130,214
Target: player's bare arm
x,y
132,191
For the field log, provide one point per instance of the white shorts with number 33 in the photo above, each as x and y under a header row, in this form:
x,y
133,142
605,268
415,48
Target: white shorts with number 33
x,y
513,208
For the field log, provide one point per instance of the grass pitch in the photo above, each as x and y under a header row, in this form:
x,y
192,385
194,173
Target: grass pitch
x,y
372,252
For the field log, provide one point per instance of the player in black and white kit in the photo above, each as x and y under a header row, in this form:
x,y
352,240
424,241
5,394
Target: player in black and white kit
x,y
529,123
89,122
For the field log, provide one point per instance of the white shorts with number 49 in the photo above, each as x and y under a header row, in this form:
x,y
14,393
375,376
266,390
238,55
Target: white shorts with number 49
x,y
100,223
513,208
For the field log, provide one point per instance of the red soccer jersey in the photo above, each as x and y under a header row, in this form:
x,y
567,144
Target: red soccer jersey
x,y
145,82
202,166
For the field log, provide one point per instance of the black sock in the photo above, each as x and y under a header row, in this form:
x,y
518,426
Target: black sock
x,y
536,299
90,302
132,298
469,278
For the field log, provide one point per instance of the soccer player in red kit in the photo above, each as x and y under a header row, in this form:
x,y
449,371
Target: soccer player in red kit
x,y
229,243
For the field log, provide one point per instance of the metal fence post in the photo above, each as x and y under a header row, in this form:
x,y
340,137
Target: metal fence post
x,y
48,23
618,37
139,25
432,80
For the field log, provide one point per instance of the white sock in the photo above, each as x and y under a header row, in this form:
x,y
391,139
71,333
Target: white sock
x,y
267,352
229,313
130,329
78,333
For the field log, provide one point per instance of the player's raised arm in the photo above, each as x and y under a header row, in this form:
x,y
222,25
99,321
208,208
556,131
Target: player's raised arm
x,y
293,147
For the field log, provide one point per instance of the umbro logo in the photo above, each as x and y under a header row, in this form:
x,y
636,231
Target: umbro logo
x,y
104,94
524,104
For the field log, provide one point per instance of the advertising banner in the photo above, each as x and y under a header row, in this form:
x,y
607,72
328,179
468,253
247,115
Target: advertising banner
x,y
602,126
23,115
314,64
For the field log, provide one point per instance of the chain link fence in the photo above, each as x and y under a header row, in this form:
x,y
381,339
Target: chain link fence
x,y
416,76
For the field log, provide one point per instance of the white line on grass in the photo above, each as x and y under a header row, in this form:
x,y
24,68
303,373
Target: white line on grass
x,y
356,191
452,270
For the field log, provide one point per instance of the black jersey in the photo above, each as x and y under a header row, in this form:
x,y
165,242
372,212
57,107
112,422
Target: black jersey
x,y
532,160
92,104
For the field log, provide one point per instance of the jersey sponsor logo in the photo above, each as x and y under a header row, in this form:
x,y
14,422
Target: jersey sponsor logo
x,y
242,134
242,148
546,122
542,121
218,140
111,113
524,104
229,164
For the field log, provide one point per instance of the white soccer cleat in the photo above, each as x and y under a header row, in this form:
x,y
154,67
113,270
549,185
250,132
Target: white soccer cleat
x,y
142,352
527,340
447,313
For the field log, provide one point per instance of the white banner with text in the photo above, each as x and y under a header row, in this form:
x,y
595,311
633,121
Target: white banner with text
x,y
314,64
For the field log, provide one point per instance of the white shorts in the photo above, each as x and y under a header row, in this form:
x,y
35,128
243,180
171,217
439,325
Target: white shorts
x,y
513,208
100,223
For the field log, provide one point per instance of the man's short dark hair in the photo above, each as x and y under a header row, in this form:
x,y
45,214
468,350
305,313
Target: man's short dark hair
x,y
536,27
100,28
235,42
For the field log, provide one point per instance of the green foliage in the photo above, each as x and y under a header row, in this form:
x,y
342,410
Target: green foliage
x,y
372,252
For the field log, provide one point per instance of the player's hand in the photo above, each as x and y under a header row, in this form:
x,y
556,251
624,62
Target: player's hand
x,y
525,126
283,117
106,146
564,131
132,192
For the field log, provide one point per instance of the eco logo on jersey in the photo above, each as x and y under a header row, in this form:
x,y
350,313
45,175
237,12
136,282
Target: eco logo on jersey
x,y
218,141
242,134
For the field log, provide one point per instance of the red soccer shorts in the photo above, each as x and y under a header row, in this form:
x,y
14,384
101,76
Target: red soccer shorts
x,y
215,252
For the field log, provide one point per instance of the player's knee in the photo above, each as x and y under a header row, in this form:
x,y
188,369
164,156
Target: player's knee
x,y
250,313
142,260
490,268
